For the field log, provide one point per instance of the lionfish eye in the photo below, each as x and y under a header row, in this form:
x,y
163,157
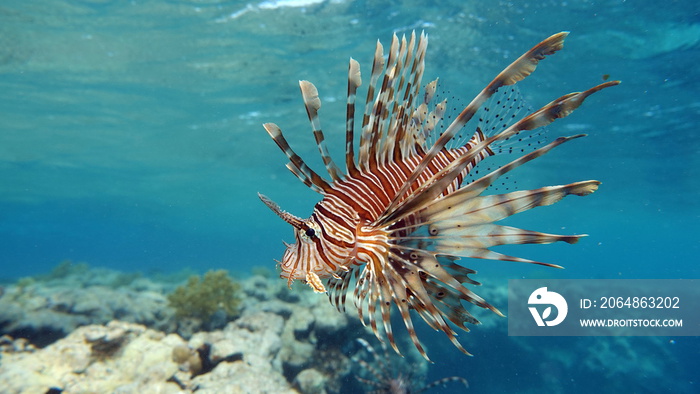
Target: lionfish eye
x,y
309,231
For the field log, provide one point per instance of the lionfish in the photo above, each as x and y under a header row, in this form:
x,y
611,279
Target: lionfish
x,y
396,222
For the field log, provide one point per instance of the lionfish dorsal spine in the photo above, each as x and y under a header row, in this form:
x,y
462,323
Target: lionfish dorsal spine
x,y
296,164
394,85
312,103
366,134
354,81
396,142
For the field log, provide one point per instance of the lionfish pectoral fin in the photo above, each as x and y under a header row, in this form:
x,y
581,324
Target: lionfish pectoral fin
x,y
463,225
469,210
516,71
412,289
337,289
428,195
402,302
557,109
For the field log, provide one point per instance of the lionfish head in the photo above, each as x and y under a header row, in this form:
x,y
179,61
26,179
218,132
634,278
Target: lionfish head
x,y
301,259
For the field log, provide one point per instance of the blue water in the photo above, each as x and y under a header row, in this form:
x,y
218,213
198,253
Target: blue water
x,y
131,138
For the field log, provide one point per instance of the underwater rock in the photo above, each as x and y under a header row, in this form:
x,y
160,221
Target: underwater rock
x,y
255,339
311,381
124,357
283,340
11,345
45,312
240,377
328,321
188,359
118,357
259,288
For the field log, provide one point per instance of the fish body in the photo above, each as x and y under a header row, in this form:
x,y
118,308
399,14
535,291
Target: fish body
x,y
392,226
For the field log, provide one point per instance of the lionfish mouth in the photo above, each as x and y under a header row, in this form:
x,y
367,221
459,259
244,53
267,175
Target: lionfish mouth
x,y
401,215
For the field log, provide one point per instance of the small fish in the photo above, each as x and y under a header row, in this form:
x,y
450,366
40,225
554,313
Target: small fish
x,y
393,226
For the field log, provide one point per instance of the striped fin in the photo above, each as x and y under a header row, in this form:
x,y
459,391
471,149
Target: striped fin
x,y
404,59
476,187
558,108
366,297
389,110
487,209
405,143
296,164
366,135
354,81
337,288
516,71
420,282
380,110
368,290
313,104
464,227
409,84
395,113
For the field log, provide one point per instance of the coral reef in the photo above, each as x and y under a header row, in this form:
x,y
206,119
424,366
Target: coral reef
x,y
274,346
281,340
94,358
76,333
45,308
202,298
205,304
